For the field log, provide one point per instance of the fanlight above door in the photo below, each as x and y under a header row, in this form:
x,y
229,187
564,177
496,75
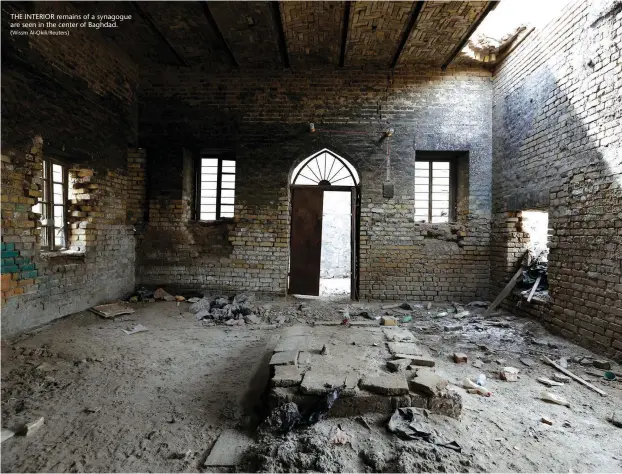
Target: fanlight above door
x,y
325,168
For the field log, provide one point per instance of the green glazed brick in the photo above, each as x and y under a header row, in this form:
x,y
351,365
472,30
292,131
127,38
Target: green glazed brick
x,y
9,247
10,269
9,261
27,267
10,253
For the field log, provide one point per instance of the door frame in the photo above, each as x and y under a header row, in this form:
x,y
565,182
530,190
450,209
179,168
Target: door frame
x,y
355,226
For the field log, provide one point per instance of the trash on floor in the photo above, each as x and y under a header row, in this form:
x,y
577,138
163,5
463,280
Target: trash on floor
x,y
410,423
552,398
112,310
472,387
160,294
234,311
509,374
339,436
136,329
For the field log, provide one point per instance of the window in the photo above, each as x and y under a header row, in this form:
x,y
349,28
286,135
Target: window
x,y
53,206
215,188
435,191
325,168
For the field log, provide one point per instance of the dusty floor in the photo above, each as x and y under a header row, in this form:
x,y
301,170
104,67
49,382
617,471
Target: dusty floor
x,y
156,401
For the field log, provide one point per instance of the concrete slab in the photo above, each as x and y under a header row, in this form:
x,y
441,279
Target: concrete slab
x,y
407,348
318,382
396,365
398,335
386,384
357,324
427,382
420,361
286,376
228,449
284,358
292,343
296,330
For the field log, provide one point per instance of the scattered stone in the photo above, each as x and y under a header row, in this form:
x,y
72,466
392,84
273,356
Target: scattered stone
x,y
546,420
527,361
539,342
548,382
30,428
460,357
455,327
461,314
406,306
478,364
284,358
386,384
396,365
281,420
427,382
228,449
324,350
602,364
388,321
500,361
252,319
92,410
561,377
286,376
422,361
398,335
281,319
586,361
563,362
509,374
429,306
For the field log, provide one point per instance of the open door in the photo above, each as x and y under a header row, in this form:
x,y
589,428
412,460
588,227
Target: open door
x,y
306,241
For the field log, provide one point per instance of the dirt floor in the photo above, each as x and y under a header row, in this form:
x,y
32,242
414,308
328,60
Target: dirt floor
x,y
157,401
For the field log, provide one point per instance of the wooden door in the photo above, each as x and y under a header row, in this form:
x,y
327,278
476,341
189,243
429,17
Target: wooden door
x,y
306,241
354,232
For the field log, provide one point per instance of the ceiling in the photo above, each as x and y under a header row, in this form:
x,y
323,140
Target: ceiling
x,y
295,34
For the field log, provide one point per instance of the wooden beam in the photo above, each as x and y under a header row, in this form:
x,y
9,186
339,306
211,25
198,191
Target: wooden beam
x,y
490,7
152,24
534,288
214,26
412,22
278,25
344,34
504,293
573,376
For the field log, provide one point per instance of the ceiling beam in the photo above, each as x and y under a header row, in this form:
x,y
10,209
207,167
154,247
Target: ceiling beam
x,y
152,24
280,31
490,7
344,34
214,26
412,22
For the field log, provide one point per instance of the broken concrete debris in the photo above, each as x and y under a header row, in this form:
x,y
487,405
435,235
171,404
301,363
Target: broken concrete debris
x,y
236,311
509,374
388,321
136,329
386,384
112,310
427,382
460,357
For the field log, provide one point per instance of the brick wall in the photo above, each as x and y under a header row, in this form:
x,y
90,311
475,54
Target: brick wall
x,y
263,117
557,146
74,99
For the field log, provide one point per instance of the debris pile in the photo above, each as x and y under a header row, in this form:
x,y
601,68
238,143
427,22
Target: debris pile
x,y
239,310
534,279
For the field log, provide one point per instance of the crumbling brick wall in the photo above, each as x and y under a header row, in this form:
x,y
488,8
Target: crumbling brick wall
x,y
74,99
557,146
263,116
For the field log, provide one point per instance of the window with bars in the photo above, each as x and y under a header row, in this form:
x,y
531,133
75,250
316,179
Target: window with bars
x,y
215,188
435,191
53,206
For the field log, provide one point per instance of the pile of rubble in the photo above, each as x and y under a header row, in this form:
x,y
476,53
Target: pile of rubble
x,y
239,310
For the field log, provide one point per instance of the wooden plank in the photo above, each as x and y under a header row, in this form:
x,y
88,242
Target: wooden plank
x,y
573,376
533,288
504,293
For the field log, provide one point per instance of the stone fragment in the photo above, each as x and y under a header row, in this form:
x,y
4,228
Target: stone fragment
x,y
461,314
292,343
427,383
602,364
615,419
407,348
228,449
398,335
386,384
460,357
31,428
252,319
324,350
429,306
452,328
419,361
356,324
478,364
284,358
304,358
560,377
546,420
509,374
396,365
528,362
286,376
388,321
447,403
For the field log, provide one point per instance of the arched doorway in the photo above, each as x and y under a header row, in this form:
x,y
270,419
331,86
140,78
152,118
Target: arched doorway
x,y
324,225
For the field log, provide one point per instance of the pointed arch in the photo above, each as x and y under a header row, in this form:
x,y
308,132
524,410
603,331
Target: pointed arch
x,y
325,168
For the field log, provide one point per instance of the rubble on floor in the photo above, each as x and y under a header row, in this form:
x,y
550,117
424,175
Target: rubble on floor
x,y
238,310
112,310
